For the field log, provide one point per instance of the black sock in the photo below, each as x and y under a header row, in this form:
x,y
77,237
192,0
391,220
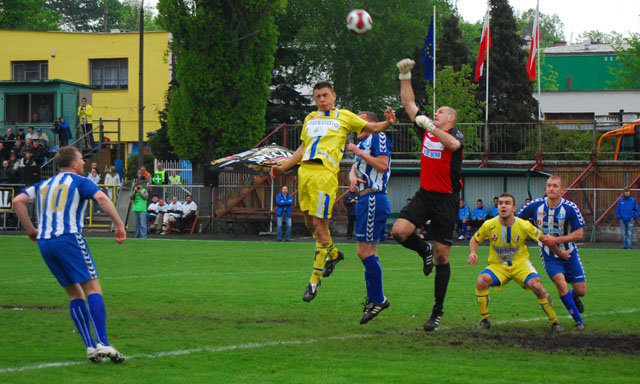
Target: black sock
x,y
443,272
414,243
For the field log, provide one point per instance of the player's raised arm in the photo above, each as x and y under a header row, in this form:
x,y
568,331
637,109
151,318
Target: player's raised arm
x,y
292,161
406,89
377,127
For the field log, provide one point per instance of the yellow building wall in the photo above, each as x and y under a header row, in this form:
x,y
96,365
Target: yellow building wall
x,y
68,55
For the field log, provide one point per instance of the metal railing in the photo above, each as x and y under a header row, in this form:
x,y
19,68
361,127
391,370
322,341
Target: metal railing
x,y
558,140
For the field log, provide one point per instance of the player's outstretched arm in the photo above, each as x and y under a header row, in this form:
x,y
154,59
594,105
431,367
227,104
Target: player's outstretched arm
x,y
381,162
20,206
107,207
390,119
292,161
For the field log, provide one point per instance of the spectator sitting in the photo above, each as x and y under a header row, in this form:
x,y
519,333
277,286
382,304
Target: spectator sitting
x,y
112,178
161,209
31,135
478,215
9,139
493,212
38,152
189,210
14,162
29,170
174,211
464,214
44,139
27,145
18,148
4,154
406,204
21,135
7,174
152,209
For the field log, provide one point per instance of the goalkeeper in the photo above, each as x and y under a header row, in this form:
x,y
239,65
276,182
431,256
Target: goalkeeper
x,y
438,197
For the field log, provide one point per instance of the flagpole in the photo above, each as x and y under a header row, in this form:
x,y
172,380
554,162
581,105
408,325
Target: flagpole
x,y
538,58
486,107
434,61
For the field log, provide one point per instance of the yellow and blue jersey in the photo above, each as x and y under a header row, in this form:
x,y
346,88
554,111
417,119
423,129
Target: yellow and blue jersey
x,y
324,135
507,244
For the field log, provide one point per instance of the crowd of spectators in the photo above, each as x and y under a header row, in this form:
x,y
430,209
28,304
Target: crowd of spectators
x,y
24,154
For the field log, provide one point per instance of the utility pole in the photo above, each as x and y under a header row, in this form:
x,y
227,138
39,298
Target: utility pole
x,y
140,91
106,17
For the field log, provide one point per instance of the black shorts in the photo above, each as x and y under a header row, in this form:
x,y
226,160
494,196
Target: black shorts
x,y
440,208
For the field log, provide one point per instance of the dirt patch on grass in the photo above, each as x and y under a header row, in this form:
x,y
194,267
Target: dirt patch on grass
x,y
31,307
579,343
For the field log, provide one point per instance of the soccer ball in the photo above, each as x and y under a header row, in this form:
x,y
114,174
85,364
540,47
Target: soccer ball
x,y
359,22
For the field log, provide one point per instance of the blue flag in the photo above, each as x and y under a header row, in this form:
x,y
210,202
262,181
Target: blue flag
x,y
428,52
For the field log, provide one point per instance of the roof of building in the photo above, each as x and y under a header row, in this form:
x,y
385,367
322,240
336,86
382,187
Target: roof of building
x,y
582,49
48,81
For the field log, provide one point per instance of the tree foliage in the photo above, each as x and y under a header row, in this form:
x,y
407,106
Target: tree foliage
x,y
510,91
599,37
362,68
551,27
456,90
159,142
89,16
29,15
628,76
224,60
453,51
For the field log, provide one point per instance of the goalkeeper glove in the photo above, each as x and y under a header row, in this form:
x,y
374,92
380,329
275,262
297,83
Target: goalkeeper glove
x,y
405,66
425,122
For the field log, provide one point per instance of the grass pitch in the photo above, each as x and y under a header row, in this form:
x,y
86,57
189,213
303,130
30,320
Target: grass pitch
x,y
213,311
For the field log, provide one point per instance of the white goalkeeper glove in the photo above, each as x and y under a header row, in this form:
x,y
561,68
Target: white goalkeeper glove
x,y
425,122
405,66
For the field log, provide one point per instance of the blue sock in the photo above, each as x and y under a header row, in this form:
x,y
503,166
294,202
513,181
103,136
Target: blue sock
x,y
568,302
99,317
464,229
373,278
80,315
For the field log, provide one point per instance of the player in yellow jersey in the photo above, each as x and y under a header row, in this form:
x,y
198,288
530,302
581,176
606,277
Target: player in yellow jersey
x,y
508,259
323,137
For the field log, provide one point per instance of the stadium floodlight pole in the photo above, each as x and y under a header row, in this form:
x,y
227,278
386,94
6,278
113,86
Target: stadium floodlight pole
x,y
140,91
434,60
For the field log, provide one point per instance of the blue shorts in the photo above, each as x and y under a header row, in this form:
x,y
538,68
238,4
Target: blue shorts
x,y
372,211
68,258
572,268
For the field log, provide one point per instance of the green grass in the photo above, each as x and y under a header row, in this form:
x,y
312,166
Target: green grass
x,y
212,311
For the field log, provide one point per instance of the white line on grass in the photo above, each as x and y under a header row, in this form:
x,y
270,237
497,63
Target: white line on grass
x,y
265,344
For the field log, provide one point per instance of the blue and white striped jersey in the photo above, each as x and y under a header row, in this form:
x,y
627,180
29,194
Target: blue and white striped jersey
x,y
61,203
374,145
558,221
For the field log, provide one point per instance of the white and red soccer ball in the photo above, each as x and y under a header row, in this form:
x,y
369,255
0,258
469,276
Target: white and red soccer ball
x,y
359,22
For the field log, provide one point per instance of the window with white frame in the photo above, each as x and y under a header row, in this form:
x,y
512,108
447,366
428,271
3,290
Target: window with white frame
x,y
29,70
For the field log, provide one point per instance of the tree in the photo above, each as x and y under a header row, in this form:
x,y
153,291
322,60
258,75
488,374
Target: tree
x,y
76,15
456,90
362,68
82,15
598,37
27,15
224,55
551,27
286,104
510,91
628,76
128,17
159,141
452,51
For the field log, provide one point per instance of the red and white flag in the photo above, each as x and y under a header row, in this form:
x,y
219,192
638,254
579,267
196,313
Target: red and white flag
x,y
533,52
485,44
